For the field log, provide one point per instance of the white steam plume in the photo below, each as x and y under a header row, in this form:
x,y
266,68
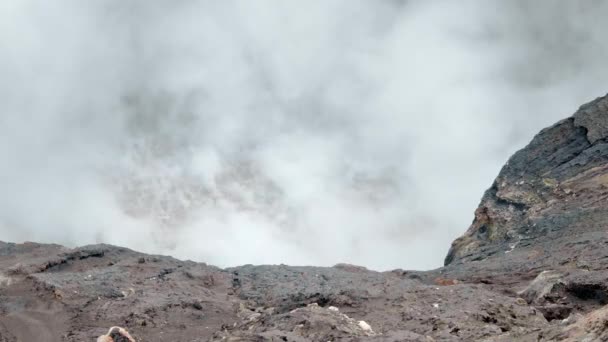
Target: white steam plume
x,y
311,132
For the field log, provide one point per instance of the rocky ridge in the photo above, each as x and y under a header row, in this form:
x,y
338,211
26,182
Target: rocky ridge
x,y
532,267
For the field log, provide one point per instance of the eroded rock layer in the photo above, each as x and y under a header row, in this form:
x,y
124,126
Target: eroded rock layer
x,y
555,187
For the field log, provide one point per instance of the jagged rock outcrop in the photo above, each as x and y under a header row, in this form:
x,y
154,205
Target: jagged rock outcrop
x,y
555,187
532,267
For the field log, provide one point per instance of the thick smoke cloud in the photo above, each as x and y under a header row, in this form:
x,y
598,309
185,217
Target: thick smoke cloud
x,y
311,132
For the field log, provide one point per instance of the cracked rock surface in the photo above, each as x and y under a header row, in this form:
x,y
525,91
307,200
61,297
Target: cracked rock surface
x,y
531,267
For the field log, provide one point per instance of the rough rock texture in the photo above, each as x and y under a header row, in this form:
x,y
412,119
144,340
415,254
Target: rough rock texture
x,y
532,267
554,188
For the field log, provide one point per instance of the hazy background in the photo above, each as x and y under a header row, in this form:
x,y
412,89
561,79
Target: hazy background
x,y
309,132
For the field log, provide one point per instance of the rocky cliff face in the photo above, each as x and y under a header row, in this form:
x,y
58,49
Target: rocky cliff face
x,y
556,187
532,267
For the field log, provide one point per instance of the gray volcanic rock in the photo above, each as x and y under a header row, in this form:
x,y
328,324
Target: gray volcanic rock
x,y
532,267
555,187
50,293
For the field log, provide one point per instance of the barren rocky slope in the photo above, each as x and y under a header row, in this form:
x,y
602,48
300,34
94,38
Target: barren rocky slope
x,y
531,267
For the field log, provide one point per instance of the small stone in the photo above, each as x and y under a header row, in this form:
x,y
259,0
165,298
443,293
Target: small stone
x,y
115,334
445,282
366,327
254,317
542,286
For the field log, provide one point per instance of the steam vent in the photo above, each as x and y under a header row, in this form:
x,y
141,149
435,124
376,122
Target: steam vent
x,y
531,267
